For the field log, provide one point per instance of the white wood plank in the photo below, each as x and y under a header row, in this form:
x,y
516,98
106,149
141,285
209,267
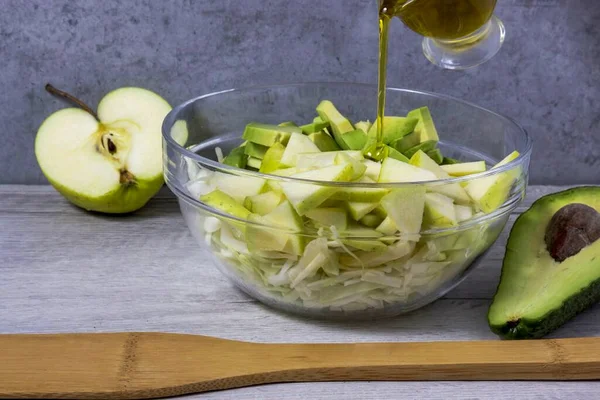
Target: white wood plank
x,y
44,199
65,270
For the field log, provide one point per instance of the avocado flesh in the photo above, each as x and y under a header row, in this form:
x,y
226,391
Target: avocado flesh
x,y
254,162
237,158
314,127
354,140
436,155
537,294
323,141
255,150
394,128
268,135
339,124
425,128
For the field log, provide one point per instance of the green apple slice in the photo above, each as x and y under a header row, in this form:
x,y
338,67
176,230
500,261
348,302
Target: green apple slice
x,y
358,210
286,171
387,254
362,238
238,187
224,202
331,216
263,203
112,164
439,211
232,242
463,213
228,205
365,195
324,159
363,126
264,238
274,186
297,144
404,206
397,171
271,160
462,169
387,226
373,169
371,220
307,196
358,168
454,190
491,192
284,216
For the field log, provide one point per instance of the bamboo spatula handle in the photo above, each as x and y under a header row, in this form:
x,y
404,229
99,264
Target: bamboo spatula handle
x,y
149,365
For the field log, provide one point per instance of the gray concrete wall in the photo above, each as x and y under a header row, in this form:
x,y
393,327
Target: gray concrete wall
x,y
547,76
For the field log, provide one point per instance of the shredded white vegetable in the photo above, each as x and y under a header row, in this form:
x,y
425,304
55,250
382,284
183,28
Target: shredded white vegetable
x,y
219,153
337,238
333,274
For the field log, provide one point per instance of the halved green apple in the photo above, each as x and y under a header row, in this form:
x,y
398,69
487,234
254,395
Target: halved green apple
x,y
112,163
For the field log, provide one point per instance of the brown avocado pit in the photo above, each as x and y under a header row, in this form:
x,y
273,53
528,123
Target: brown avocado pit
x,y
572,228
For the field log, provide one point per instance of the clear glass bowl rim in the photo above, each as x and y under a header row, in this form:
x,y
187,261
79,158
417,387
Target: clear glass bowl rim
x,y
507,206
170,119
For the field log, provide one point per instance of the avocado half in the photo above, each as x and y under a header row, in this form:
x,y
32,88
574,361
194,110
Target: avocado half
x,y
551,269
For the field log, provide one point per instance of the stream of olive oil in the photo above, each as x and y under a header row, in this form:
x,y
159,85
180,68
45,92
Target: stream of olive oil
x,y
377,150
384,25
440,19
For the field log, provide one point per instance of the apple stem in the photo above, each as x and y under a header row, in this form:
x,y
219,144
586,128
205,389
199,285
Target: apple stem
x,y
56,92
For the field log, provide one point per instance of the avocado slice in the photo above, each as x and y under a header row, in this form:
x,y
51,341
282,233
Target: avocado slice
x,y
339,123
254,162
287,123
406,142
272,158
436,155
425,129
424,147
450,161
237,158
268,135
323,141
394,128
255,150
551,268
314,127
395,154
355,139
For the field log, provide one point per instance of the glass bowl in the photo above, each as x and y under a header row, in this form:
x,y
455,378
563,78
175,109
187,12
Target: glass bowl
x,y
317,270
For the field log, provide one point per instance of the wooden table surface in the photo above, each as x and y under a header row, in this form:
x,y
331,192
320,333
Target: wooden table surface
x,y
66,270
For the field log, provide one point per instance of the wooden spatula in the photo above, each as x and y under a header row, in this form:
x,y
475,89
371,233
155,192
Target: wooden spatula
x,y
149,365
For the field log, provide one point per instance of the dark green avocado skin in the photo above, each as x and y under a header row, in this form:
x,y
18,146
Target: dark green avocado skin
x,y
528,329
572,306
